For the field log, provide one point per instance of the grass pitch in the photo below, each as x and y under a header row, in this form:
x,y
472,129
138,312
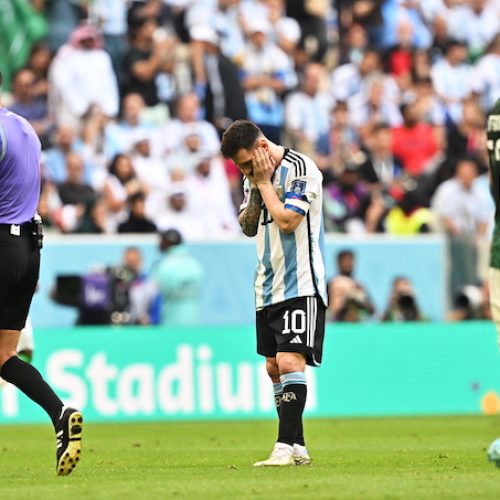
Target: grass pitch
x,y
389,458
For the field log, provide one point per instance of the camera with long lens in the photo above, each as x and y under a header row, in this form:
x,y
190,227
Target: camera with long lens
x,y
102,298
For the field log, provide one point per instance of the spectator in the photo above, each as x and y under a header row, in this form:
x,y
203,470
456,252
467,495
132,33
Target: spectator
x,y
342,145
414,141
111,17
403,305
348,205
308,112
54,160
399,58
223,98
264,76
311,17
187,122
462,213
122,183
63,17
76,197
143,304
179,277
471,303
373,105
82,75
476,24
381,168
348,300
486,75
451,77
210,199
118,137
149,59
26,104
98,221
228,20
39,62
429,106
467,136
178,214
395,12
367,14
348,79
353,45
91,138
137,221
287,30
408,216
151,173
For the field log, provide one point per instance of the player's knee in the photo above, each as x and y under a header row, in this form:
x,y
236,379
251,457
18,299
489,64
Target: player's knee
x,y
6,354
272,369
291,362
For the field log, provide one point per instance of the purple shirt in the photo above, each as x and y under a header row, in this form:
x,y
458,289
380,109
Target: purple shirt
x,y
20,151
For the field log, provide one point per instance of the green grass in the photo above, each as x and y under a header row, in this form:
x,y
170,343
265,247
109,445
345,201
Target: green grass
x,y
407,458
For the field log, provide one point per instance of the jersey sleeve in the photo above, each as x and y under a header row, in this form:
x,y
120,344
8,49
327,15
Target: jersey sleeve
x,y
3,143
303,186
246,195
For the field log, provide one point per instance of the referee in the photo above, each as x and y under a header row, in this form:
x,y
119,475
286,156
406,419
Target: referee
x,y
20,243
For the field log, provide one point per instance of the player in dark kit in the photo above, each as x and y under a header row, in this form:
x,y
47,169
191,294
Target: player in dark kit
x,y
20,244
493,143
283,209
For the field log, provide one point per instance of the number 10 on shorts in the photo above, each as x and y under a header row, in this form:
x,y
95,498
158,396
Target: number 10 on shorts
x,y
294,322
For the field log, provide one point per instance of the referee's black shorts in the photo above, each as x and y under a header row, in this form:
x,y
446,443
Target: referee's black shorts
x,y
19,270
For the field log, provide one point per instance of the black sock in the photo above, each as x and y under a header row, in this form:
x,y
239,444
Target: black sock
x,y
28,379
300,433
292,406
278,393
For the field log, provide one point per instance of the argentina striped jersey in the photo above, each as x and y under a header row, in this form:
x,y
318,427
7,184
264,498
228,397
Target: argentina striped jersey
x,y
291,265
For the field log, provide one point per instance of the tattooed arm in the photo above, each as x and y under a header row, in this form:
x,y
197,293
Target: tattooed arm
x,y
249,217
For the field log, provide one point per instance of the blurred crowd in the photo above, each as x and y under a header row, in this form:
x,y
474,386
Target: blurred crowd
x,y
130,99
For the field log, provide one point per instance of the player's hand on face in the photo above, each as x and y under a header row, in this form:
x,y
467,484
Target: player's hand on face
x,y
263,166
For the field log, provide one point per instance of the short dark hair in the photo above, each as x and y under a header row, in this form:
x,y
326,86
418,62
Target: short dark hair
x,y
138,196
169,238
344,253
241,134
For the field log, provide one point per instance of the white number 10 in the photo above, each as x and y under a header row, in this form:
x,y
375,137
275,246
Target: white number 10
x,y
295,322
495,147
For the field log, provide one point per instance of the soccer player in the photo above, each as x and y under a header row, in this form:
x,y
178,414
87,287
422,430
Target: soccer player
x,y
493,143
283,209
20,244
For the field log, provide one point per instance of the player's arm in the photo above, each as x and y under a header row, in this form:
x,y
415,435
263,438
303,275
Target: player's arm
x,y
287,219
249,216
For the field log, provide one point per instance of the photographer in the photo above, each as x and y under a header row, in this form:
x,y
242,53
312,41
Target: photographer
x,y
402,304
471,303
348,301
118,295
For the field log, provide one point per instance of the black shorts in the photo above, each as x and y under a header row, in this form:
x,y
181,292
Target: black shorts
x,y
19,270
294,325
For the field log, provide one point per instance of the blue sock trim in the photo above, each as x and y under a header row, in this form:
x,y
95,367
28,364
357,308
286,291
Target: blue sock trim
x,y
293,378
278,388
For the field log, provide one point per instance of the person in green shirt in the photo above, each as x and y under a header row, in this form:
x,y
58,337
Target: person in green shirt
x,y
493,143
179,277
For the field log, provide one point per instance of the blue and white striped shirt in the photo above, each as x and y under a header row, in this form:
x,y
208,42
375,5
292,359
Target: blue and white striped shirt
x,y
291,265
